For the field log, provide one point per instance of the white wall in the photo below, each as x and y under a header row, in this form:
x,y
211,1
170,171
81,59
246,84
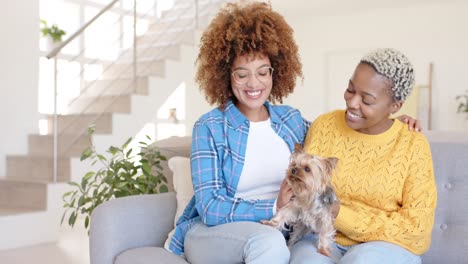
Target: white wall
x,y
331,43
19,25
434,32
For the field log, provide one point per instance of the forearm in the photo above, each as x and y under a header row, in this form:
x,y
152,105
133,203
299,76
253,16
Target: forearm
x,y
219,209
409,228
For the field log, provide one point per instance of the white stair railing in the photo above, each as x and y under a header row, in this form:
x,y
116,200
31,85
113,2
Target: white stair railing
x,y
191,10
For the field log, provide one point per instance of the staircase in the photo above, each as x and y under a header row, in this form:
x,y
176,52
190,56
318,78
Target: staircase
x,y
30,201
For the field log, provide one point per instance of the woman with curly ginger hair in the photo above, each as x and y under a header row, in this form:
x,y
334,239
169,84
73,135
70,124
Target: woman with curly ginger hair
x,y
240,150
252,30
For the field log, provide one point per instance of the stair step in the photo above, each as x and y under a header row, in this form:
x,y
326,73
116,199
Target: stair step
x,y
16,211
187,10
21,195
166,25
37,168
68,145
116,87
168,37
153,52
101,104
77,124
125,69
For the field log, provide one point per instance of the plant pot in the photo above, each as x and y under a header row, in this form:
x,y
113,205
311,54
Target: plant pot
x,y
50,44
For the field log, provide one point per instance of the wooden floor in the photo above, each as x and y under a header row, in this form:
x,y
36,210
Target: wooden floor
x,y
72,248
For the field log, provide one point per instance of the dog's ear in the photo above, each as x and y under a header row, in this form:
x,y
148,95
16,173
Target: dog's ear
x,y
330,164
297,147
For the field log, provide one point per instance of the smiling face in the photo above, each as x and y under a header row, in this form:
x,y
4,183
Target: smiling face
x,y
253,93
369,102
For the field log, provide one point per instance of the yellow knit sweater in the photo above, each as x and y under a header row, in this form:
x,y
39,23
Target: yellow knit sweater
x,y
385,182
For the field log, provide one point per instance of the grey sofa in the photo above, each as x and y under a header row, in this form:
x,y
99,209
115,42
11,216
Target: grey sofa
x,y
133,229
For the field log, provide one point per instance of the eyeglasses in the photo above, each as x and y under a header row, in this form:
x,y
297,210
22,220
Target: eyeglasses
x,y
242,76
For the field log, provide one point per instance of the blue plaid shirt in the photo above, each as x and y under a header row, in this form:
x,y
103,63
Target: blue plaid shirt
x,y
219,141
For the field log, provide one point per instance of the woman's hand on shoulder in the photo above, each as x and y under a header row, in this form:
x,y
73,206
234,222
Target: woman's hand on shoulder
x,y
413,124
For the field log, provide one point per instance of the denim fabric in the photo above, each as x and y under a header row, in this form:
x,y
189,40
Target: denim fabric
x,y
374,252
237,242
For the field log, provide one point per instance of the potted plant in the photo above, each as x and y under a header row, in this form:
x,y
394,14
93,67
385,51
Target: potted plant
x,y
53,33
122,174
463,103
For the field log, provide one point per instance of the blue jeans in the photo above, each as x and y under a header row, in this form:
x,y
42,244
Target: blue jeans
x,y
379,252
238,242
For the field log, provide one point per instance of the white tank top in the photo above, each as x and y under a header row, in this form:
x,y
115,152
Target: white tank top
x,y
266,161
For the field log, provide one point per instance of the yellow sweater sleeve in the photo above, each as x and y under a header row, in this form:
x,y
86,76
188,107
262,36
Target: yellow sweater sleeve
x,y
385,183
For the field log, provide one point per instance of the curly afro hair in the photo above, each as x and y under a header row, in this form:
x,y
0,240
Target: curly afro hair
x,y
396,67
246,28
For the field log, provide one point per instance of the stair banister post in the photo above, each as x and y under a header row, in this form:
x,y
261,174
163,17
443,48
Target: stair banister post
x,y
55,144
134,44
196,14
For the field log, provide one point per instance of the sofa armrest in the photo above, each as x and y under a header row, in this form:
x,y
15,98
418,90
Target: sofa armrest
x,y
130,222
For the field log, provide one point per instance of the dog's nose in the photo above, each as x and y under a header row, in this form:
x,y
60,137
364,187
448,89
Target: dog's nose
x,y
294,171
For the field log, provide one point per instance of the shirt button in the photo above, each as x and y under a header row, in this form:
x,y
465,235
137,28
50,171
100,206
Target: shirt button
x,y
443,227
448,186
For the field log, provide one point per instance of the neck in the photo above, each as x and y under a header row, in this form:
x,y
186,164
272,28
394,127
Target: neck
x,y
255,115
378,130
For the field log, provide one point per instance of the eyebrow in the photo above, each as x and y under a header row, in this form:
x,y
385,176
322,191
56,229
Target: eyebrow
x,y
365,93
243,68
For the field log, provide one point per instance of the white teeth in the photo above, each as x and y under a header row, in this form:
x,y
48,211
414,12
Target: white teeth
x,y
353,115
253,93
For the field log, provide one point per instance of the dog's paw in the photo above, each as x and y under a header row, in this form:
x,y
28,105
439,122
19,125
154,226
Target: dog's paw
x,y
272,223
266,222
325,251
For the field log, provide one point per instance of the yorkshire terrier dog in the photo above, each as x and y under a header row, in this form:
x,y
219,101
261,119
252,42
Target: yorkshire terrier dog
x,y
310,209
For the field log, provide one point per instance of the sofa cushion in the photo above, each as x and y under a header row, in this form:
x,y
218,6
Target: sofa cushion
x,y
148,255
171,147
182,180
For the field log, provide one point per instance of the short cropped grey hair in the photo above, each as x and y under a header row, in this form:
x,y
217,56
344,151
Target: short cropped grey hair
x,y
395,66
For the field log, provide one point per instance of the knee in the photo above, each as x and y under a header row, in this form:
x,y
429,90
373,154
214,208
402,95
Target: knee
x,y
305,251
268,237
267,241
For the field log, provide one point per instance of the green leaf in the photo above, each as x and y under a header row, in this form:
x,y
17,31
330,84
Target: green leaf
x,y
145,167
91,129
86,153
163,179
121,185
163,189
101,157
72,219
113,150
124,146
84,184
81,201
89,175
63,217
86,223
74,184
128,153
